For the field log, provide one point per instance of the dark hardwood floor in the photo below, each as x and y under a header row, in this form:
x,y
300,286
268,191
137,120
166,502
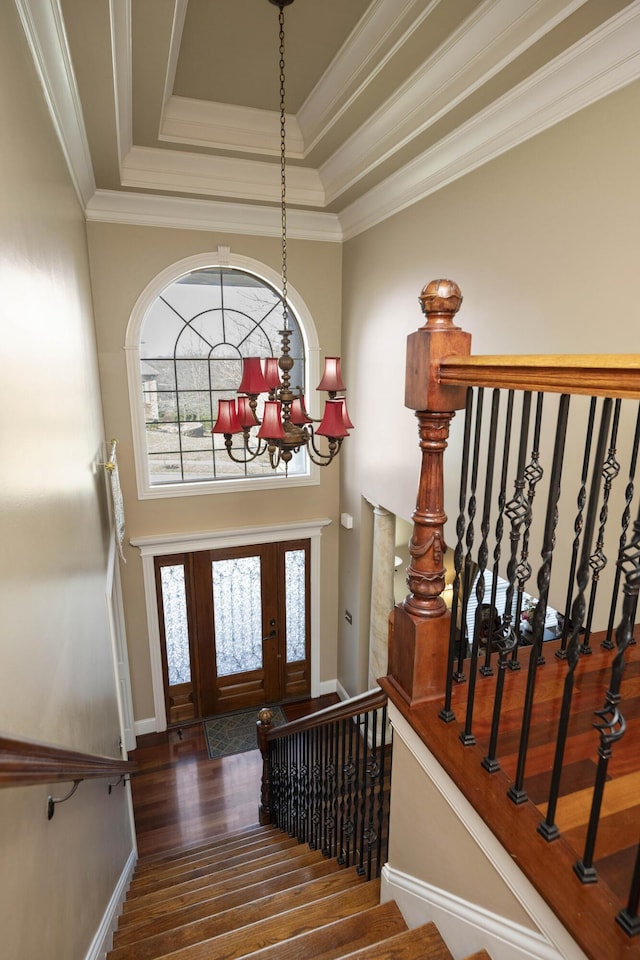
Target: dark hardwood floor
x,y
181,797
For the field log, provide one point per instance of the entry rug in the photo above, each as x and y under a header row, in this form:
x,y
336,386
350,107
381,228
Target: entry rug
x,y
236,732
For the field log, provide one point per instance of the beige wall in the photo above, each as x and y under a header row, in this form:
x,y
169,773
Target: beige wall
x,y
124,260
57,676
543,242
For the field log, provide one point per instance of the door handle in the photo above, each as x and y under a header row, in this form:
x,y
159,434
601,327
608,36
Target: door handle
x,y
270,637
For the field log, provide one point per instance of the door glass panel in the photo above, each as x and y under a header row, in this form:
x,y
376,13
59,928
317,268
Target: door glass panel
x,y
237,614
176,627
295,582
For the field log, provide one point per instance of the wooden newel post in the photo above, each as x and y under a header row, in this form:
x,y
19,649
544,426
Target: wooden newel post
x,y
420,634
263,726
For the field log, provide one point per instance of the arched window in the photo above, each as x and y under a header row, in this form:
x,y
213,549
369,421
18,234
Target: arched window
x,y
186,340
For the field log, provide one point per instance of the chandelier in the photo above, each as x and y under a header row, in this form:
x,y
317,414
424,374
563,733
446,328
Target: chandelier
x,y
285,428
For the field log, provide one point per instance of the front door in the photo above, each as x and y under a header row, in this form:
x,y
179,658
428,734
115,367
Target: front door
x,y
234,626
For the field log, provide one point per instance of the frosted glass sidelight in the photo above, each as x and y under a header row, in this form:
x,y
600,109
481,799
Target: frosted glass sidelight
x,y
237,615
176,626
295,582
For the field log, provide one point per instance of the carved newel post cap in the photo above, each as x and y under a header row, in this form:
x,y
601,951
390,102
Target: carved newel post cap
x,y
265,717
440,301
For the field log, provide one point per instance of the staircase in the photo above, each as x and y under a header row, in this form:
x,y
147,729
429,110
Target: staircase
x,y
261,894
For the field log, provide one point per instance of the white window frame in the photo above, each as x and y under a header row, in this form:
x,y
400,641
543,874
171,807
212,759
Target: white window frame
x,y
223,259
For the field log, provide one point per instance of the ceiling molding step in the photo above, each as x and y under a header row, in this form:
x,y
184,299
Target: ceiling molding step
x,y
494,36
596,66
139,209
43,25
355,66
120,20
228,127
156,169
179,15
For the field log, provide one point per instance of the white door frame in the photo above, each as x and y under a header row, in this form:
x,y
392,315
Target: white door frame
x,y
118,634
162,545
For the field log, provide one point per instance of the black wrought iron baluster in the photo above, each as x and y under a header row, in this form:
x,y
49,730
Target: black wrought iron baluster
x,y
362,793
274,778
350,770
608,643
561,653
533,474
466,735
516,792
495,629
628,917
598,559
373,773
342,789
516,511
316,791
548,828
332,785
611,723
456,632
383,793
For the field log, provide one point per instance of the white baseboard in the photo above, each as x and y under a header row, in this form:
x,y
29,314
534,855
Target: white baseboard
x,y
464,927
103,940
327,686
141,727
340,690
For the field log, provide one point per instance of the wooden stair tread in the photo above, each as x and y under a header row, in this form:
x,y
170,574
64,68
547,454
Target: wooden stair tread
x,y
313,892
141,910
211,854
247,893
330,941
277,929
420,943
237,839
155,881
202,878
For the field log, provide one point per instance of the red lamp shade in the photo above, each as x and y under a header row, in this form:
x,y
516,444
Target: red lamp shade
x,y
332,424
253,381
271,428
346,419
246,416
272,373
332,377
227,421
298,414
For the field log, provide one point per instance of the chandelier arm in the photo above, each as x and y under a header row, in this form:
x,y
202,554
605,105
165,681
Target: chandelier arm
x,y
252,454
317,456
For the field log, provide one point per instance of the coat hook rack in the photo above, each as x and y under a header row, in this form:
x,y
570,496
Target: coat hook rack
x,y
52,801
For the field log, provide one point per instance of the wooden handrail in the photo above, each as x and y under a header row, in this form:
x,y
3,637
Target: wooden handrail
x,y
607,375
25,762
370,700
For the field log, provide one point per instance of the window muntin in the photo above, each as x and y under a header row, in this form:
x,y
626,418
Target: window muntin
x,y
192,342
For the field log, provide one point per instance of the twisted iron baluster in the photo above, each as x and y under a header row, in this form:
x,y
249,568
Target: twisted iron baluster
x,y
611,723
561,653
467,736
598,559
456,634
517,792
382,828
373,773
533,474
548,828
332,791
350,772
608,643
495,630
316,790
362,794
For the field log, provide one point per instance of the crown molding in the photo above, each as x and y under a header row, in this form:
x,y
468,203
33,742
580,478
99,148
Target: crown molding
x,y
43,25
141,209
120,20
355,66
179,15
494,36
596,66
152,168
228,127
